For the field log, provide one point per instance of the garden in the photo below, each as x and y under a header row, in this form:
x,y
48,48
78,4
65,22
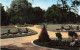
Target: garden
x,y
12,32
59,43
61,27
62,16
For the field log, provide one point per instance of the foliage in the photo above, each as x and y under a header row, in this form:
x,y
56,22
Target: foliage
x,y
9,31
70,27
57,44
73,6
53,13
72,34
26,30
38,12
4,37
14,33
18,11
59,15
4,16
59,36
78,28
62,27
22,12
44,37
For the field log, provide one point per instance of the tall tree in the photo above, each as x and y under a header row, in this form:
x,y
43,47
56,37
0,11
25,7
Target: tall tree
x,y
18,11
38,12
53,13
4,16
73,6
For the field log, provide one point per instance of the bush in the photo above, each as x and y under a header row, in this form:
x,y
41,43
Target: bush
x,y
44,37
72,34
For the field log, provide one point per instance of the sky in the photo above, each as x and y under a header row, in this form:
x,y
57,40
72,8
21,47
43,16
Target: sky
x,y
44,4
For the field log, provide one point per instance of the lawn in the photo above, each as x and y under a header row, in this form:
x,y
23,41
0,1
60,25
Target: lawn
x,y
13,29
56,26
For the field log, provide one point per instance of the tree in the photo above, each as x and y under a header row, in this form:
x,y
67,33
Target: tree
x,y
22,12
4,16
65,6
59,36
38,12
19,11
44,37
71,7
78,19
53,12
71,17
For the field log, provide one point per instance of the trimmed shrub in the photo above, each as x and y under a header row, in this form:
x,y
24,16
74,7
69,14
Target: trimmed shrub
x,y
44,37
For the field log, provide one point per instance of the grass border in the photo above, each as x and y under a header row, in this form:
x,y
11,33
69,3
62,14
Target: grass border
x,y
34,33
55,47
67,26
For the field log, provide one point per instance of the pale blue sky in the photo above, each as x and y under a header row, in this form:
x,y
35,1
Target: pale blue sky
x,y
44,4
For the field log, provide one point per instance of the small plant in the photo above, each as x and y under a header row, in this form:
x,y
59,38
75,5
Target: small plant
x,y
62,27
26,30
72,34
9,31
70,27
19,31
77,27
25,24
59,36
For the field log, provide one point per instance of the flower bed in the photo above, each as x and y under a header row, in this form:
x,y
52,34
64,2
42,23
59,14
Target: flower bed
x,y
58,44
17,34
67,29
54,27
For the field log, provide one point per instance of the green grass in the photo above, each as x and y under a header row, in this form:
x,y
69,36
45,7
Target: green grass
x,y
3,30
15,29
55,26
4,37
45,44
